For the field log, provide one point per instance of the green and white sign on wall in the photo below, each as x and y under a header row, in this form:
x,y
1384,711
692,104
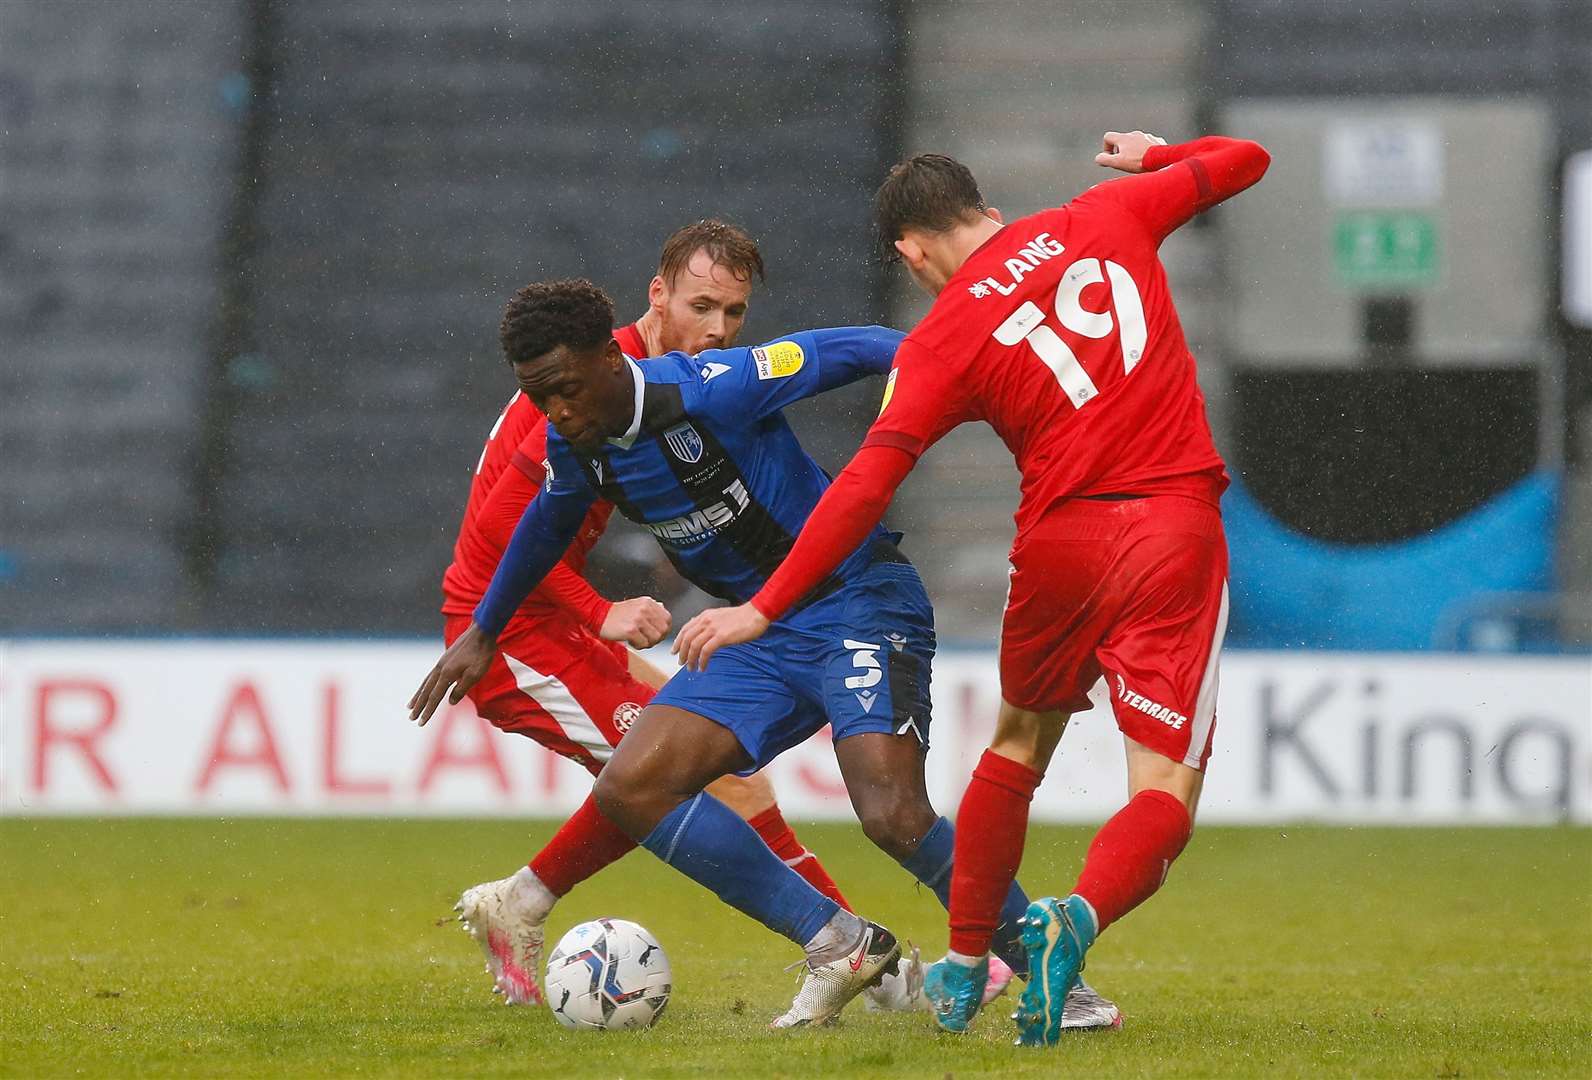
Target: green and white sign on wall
x,y
1385,248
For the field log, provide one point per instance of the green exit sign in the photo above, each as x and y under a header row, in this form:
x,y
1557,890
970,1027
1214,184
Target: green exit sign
x,y
1385,248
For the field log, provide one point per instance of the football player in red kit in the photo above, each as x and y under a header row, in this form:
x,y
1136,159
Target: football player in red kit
x,y
563,674
1058,331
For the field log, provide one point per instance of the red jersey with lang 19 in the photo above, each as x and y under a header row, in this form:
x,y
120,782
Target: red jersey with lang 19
x,y
1060,333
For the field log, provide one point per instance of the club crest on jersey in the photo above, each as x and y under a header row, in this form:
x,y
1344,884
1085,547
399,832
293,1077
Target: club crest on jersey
x,y
779,360
684,443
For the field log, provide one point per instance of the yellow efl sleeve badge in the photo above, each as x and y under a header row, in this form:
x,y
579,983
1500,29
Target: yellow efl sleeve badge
x,y
889,390
779,360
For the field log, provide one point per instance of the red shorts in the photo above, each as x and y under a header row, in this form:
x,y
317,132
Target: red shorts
x,y
1132,589
558,683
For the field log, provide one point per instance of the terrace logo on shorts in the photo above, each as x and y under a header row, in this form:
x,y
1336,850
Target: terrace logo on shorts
x,y
684,443
1153,709
625,716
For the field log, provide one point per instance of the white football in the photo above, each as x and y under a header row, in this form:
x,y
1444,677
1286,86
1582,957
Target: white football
x,y
608,974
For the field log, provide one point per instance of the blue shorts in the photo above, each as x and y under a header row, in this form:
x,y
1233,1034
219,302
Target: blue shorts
x,y
858,660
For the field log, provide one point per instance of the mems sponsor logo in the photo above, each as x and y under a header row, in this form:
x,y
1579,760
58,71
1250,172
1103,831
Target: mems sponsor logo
x,y
704,520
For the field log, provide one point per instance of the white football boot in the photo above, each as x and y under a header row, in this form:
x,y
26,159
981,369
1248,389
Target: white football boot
x,y
1086,1010
901,990
507,919
827,988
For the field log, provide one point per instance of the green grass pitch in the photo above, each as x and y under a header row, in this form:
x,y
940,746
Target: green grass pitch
x,y
293,948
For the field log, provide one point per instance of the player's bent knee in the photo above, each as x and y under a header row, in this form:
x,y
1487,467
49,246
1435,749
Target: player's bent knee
x,y
611,798
627,799
896,822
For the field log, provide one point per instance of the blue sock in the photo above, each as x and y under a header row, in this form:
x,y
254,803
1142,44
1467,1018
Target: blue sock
x,y
931,864
710,844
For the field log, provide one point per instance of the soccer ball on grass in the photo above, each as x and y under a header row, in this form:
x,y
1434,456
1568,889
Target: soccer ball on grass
x,y
608,974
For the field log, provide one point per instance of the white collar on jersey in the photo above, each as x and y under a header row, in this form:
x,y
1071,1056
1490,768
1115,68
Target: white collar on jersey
x,y
625,441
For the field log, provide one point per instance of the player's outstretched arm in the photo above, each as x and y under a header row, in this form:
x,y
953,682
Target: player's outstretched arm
x,y
1173,183
849,353
460,667
500,514
765,378
843,518
539,541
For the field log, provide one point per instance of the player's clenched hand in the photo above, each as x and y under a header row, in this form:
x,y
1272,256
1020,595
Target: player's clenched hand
x,y
1126,150
714,628
461,667
641,622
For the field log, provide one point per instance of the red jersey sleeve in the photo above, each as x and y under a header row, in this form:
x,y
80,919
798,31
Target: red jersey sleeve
x,y
501,512
848,511
1183,180
924,398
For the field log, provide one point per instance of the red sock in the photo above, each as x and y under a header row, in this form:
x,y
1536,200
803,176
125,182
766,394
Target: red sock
x,y
990,829
1132,853
781,840
587,843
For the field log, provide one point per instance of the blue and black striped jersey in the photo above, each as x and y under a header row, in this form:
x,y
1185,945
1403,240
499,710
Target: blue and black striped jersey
x,y
710,467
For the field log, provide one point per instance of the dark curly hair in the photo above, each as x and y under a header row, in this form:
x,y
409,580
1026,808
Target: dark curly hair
x,y
930,192
546,314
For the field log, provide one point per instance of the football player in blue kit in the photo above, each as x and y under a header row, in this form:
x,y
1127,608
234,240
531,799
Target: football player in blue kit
x,y
697,451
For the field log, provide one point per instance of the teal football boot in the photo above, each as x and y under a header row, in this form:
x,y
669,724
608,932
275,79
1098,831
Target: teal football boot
x,y
955,991
1056,934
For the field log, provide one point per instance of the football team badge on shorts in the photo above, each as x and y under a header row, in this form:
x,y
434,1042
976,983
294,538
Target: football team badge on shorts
x,y
625,716
684,443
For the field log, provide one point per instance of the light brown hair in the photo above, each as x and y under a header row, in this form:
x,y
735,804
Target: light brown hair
x,y
727,245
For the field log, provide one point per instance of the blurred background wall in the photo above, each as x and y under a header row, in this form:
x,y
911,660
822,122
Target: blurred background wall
x,y
253,252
